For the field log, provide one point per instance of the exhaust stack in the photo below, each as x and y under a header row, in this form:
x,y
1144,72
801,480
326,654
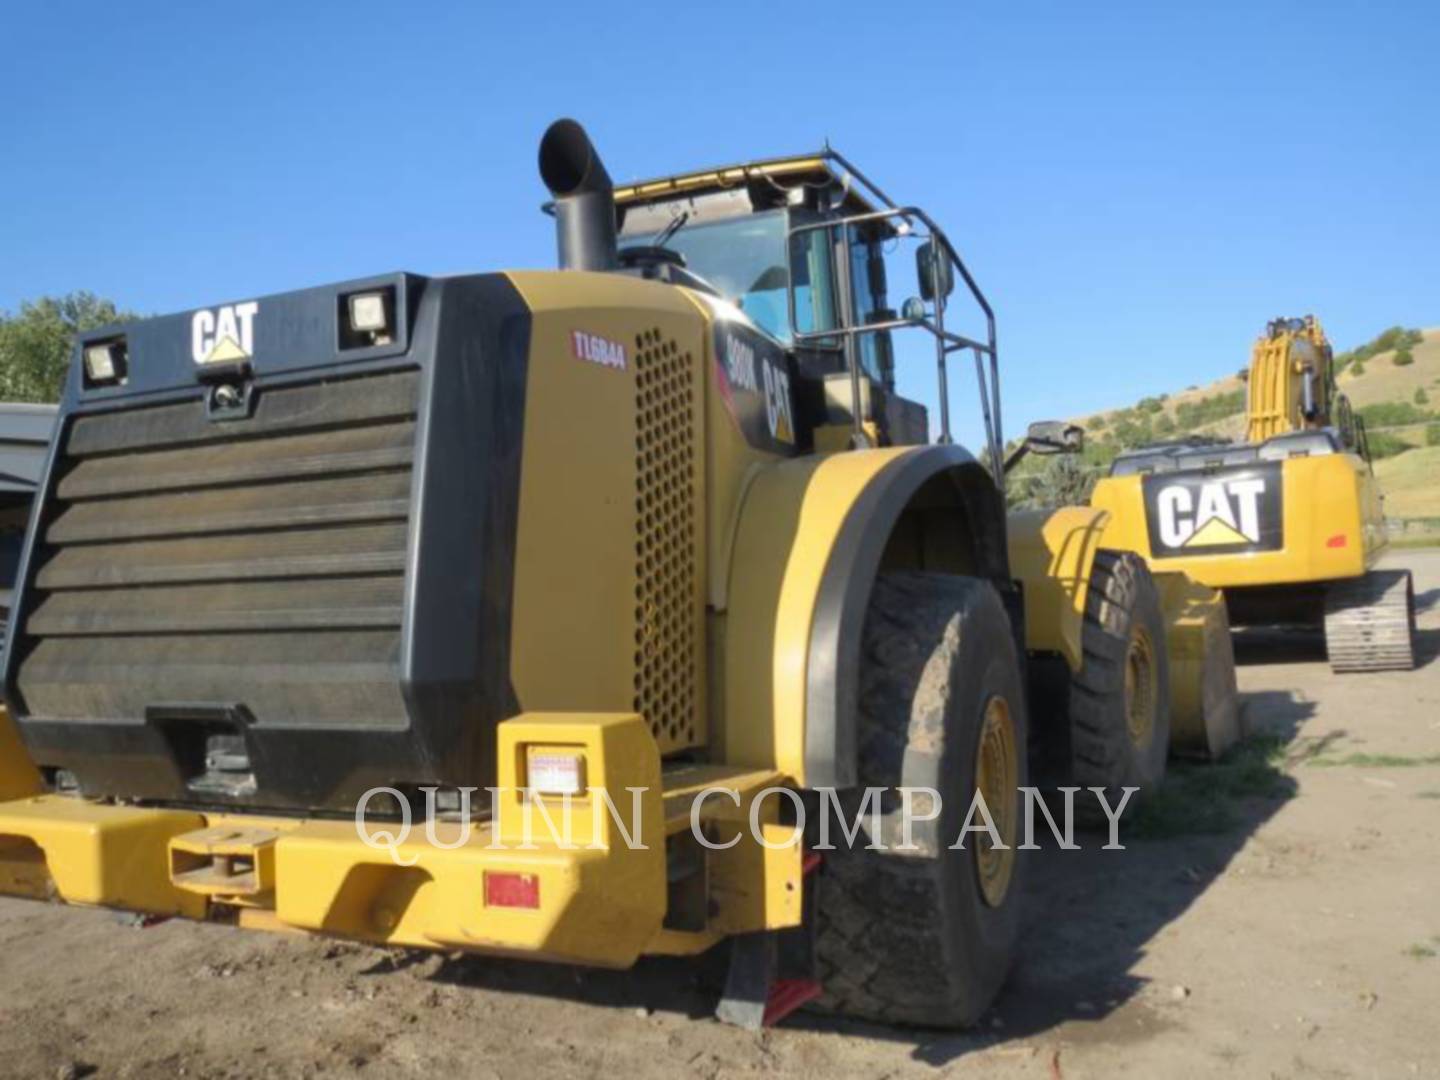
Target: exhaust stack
x,y
584,198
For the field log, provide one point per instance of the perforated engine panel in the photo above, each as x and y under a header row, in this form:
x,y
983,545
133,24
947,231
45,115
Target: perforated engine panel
x,y
668,645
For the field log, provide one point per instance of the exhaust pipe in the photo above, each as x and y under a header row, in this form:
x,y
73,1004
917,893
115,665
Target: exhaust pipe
x,y
584,198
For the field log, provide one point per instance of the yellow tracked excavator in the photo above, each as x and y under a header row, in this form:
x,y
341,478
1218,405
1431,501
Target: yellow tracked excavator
x,y
1288,522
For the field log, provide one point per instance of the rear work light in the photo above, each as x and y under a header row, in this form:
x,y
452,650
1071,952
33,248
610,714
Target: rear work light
x,y
106,363
510,890
367,312
367,318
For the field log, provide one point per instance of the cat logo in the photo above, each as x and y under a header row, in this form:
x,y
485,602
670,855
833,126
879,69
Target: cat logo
x,y
225,335
1215,514
754,383
777,403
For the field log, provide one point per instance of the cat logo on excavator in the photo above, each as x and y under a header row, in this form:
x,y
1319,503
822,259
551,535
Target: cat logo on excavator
x,y
1200,513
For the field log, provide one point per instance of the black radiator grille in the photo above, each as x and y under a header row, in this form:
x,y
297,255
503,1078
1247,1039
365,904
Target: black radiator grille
x,y
257,562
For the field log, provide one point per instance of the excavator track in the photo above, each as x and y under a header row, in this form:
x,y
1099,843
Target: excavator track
x,y
1370,622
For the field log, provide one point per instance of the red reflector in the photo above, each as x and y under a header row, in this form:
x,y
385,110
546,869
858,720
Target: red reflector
x,y
1338,540
512,890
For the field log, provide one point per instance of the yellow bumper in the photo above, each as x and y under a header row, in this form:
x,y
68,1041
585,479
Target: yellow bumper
x,y
594,893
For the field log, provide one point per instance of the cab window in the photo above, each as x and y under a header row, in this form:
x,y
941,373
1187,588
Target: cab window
x,y
743,258
867,285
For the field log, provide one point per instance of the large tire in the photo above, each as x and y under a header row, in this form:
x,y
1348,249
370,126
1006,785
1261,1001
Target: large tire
x,y
1120,699
913,937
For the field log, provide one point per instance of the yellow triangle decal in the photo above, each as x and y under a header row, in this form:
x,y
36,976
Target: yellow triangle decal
x,y
227,348
782,429
1214,533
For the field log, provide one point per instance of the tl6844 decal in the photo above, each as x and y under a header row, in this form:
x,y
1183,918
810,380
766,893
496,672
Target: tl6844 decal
x,y
1223,513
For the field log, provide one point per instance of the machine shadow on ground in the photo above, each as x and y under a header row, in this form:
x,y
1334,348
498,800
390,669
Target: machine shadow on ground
x,y
1088,913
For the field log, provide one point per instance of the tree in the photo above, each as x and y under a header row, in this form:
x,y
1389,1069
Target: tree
x,y
35,344
1063,482
1403,358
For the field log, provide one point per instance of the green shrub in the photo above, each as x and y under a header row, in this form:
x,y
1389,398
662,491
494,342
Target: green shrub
x,y
1192,414
1099,454
1391,413
1403,358
1432,435
1396,338
1132,433
1384,445
1421,397
1358,369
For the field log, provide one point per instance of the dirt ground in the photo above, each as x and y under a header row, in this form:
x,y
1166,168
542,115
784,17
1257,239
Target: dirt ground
x,y
1278,916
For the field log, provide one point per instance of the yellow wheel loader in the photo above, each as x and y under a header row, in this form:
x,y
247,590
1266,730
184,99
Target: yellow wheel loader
x,y
648,547
1289,522
1126,664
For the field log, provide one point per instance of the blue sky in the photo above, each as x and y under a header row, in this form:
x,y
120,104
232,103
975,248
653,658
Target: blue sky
x,y
1139,186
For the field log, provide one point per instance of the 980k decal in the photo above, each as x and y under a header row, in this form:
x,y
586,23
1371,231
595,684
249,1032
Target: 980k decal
x,y
1215,514
754,381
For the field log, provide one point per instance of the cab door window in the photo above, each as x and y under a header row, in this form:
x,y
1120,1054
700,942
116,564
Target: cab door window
x,y
867,284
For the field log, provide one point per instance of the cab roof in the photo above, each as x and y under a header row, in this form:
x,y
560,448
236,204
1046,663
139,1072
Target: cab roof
x,y
816,170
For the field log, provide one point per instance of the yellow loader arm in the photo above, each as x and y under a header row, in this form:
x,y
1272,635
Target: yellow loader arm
x,y
1052,553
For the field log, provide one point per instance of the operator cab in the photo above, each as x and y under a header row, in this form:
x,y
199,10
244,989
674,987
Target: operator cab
x,y
800,248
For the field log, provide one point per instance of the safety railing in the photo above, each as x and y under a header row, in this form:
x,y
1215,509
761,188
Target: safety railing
x,y
913,222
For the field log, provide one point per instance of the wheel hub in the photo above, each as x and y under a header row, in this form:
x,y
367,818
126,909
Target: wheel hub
x,y
997,773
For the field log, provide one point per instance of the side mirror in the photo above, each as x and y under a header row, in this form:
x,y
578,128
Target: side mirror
x,y
1054,437
933,268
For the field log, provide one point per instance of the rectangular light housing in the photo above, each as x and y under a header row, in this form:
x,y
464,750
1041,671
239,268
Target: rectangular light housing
x,y
105,363
554,770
